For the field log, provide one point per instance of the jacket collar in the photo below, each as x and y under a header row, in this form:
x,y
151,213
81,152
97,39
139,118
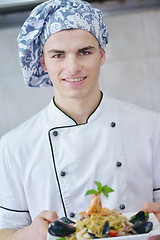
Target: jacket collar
x,y
59,118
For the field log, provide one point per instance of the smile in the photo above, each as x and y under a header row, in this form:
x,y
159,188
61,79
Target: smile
x,y
74,79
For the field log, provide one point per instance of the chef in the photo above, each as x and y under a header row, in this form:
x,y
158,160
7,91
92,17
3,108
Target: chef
x,y
49,162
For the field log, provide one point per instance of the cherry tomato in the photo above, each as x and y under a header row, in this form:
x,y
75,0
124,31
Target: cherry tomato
x,y
113,233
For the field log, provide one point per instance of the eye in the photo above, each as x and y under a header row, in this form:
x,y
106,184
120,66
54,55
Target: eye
x,y
58,55
84,52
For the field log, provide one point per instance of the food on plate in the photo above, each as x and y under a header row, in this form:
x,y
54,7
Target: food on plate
x,y
100,222
61,229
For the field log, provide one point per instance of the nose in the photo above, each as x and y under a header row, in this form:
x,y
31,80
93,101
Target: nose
x,y
72,65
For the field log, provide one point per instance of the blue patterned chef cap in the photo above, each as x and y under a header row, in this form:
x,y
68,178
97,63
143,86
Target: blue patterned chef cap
x,y
48,18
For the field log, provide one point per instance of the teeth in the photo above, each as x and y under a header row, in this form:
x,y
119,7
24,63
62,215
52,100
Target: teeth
x,y
74,79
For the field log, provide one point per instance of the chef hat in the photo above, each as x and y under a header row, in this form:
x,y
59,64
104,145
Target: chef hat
x,y
48,18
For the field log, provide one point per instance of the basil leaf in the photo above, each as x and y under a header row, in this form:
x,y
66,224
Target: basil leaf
x,y
99,186
91,192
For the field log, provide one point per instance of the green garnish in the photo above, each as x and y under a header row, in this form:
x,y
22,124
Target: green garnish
x,y
100,189
146,215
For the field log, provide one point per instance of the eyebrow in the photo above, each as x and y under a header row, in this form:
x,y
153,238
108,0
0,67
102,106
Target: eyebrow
x,y
87,48
56,51
62,51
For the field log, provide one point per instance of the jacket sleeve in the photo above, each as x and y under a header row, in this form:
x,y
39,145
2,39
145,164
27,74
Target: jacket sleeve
x,y
14,212
156,162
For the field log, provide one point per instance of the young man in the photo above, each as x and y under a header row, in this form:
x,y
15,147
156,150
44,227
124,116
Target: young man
x,y
49,162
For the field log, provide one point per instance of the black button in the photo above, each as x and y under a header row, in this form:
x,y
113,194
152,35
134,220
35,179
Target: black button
x,y
122,206
72,215
63,173
55,133
118,164
113,124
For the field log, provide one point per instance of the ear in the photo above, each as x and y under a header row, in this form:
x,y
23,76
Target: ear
x,y
103,56
42,61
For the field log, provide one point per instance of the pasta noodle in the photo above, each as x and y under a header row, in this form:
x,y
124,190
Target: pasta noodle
x,y
95,222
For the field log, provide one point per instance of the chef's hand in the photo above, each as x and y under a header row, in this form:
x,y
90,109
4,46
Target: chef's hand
x,y
39,227
36,231
155,208
154,238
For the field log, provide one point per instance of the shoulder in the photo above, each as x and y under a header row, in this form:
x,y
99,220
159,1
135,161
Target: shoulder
x,y
133,118
26,130
133,111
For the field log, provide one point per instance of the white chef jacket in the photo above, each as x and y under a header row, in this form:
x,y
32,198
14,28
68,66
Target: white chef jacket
x,y
49,162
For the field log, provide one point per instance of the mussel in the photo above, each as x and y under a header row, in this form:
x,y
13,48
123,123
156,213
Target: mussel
x,y
139,217
106,229
140,223
145,227
61,229
66,220
92,235
105,232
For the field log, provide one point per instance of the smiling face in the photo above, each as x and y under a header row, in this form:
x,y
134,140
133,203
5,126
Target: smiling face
x,y
72,59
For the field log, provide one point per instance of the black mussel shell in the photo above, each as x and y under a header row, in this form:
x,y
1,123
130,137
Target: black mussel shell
x,y
66,220
105,232
61,229
139,217
106,229
143,227
92,235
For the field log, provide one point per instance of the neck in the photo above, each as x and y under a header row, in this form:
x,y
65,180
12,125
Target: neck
x,y
79,109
